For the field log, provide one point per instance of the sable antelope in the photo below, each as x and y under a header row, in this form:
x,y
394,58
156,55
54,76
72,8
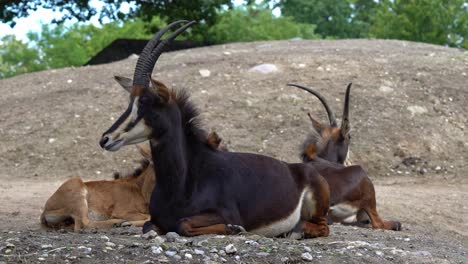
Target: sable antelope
x,y
202,190
352,193
101,204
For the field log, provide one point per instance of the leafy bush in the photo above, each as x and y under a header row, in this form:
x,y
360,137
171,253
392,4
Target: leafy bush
x,y
251,23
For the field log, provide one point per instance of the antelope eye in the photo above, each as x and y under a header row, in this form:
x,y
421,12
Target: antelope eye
x,y
144,100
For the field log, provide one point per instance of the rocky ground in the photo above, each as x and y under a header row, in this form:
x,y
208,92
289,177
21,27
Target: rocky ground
x,y
408,118
127,245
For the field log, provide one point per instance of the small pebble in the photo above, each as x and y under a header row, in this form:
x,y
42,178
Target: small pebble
x,y
230,249
150,235
188,256
172,236
46,246
199,252
109,244
307,249
306,256
105,238
171,253
156,250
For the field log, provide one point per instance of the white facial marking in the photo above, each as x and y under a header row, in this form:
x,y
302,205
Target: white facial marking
x,y
284,225
137,134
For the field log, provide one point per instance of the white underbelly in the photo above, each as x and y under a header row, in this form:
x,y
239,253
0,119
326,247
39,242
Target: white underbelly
x,y
284,225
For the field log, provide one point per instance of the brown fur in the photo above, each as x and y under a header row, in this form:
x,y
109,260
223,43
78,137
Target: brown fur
x,y
101,204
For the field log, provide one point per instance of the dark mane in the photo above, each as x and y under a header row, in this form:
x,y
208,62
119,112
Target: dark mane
x,y
190,115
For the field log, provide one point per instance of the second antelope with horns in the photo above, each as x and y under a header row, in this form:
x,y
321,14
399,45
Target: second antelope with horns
x,y
352,193
202,190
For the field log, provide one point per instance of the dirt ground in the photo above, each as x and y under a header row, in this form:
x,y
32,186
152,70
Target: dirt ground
x,y
408,118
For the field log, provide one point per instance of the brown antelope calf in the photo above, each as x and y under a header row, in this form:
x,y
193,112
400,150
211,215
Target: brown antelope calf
x,y
352,193
101,204
201,190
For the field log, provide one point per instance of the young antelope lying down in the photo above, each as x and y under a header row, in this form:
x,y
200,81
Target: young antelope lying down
x,y
105,203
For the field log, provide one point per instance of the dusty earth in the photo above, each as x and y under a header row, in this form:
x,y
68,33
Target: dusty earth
x,y
408,117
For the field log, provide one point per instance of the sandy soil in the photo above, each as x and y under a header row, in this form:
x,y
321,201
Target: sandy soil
x,y
408,120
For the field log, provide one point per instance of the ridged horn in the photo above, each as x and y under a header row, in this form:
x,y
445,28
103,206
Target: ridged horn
x,y
331,115
345,126
152,51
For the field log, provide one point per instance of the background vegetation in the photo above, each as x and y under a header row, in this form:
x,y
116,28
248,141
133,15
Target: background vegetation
x,y
442,22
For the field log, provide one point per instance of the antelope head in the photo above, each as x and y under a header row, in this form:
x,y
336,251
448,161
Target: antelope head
x,y
147,96
328,142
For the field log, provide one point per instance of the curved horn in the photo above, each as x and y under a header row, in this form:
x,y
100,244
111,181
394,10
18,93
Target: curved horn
x,y
146,61
331,116
345,122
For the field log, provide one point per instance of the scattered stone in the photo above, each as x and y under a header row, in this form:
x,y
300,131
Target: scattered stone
x,y
263,254
379,253
222,252
41,259
306,256
150,235
284,259
105,238
158,240
46,246
237,258
69,81
307,249
109,244
252,243
416,110
9,245
156,250
264,68
172,236
230,249
188,256
199,252
422,253
204,73
171,253
213,250
7,251
163,259
385,89
52,140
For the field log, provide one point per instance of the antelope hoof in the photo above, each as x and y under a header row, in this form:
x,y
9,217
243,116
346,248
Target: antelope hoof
x,y
396,226
235,229
148,226
125,224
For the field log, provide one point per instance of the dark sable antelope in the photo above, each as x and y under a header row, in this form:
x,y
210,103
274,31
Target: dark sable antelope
x,y
352,193
202,190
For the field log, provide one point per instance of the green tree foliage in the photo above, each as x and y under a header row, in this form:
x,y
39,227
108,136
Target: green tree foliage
x,y
333,18
251,23
203,11
443,22
16,57
61,46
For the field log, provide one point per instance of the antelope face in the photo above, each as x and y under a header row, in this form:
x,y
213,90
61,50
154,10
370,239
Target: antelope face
x,y
146,117
130,128
145,114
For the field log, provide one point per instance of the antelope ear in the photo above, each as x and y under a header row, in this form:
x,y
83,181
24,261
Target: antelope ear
x,y
161,90
214,140
316,124
125,82
145,151
345,129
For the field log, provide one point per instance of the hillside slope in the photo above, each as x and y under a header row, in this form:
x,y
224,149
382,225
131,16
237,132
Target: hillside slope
x,y
408,118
